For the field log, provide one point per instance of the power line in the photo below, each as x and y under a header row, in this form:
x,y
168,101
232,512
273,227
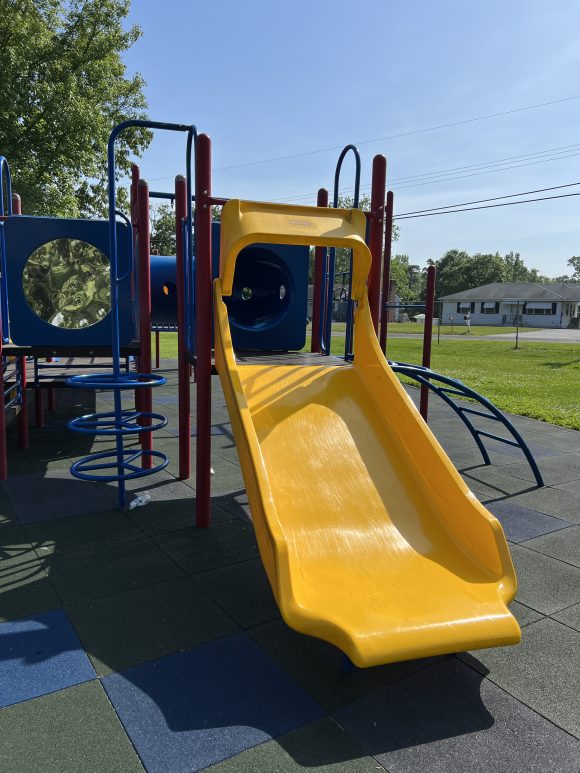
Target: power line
x,y
390,136
501,168
488,206
400,134
494,198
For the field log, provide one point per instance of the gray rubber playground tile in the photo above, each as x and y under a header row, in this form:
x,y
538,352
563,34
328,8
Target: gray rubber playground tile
x,y
573,487
199,550
95,530
538,451
564,545
92,574
53,495
555,470
448,719
521,523
570,617
543,672
544,583
555,438
551,501
320,746
319,668
495,482
72,730
243,591
147,623
524,615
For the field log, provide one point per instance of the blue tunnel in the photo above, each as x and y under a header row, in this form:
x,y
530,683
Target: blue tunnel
x,y
268,306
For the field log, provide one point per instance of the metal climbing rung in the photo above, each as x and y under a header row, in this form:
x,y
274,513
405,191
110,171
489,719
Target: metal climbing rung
x,y
475,412
450,391
498,437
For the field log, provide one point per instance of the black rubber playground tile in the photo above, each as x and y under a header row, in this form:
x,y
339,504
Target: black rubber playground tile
x,y
53,495
92,574
243,591
147,623
543,672
448,719
564,545
15,546
520,523
86,532
7,512
162,516
320,746
322,670
544,583
25,589
198,550
72,730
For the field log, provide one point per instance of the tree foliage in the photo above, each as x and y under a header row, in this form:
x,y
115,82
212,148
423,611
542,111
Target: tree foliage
x,y
63,87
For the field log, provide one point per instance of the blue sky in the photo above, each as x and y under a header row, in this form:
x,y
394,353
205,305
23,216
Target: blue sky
x,y
269,79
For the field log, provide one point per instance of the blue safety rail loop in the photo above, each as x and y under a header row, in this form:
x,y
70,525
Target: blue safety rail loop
x,y
328,283
124,464
5,209
452,387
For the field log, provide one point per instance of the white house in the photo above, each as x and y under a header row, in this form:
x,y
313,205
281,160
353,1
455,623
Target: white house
x,y
505,303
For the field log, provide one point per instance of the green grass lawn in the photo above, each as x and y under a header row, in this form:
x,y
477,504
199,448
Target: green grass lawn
x,y
539,380
459,329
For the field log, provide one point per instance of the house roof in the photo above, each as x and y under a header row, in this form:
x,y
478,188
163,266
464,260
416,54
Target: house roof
x,y
521,291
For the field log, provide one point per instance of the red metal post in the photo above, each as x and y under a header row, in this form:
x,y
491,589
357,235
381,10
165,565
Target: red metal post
x,y
157,358
317,306
23,439
183,364
384,316
145,401
428,337
203,329
376,235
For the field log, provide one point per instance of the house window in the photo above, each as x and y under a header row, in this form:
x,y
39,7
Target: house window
x,y
464,306
490,307
540,309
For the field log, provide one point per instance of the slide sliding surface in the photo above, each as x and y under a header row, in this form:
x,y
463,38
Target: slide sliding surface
x,y
369,536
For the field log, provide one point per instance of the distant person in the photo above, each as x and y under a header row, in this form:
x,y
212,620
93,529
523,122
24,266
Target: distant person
x,y
467,319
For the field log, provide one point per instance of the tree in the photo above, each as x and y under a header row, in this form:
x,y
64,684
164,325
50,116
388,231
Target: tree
x,y
163,230
574,263
63,88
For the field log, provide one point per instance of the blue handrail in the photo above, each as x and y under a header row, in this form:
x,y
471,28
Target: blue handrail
x,y
328,284
453,386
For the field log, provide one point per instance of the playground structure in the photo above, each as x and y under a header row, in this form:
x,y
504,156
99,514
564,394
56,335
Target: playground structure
x,y
283,407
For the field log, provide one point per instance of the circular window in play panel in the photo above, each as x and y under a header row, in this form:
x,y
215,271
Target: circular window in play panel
x,y
66,283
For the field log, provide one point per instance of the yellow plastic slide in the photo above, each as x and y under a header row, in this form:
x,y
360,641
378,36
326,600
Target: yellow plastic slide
x,y
370,538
